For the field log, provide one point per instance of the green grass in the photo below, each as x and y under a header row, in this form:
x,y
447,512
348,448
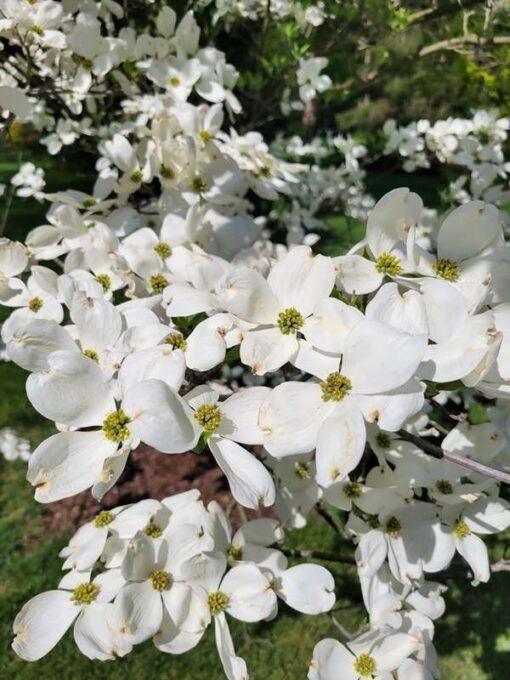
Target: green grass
x,y
473,639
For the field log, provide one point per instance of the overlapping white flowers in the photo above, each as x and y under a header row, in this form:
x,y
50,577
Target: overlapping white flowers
x,y
168,570
156,309
118,374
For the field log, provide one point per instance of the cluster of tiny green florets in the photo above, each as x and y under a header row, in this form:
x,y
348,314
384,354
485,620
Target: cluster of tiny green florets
x,y
302,470
177,341
388,264
152,529
205,136
103,519
447,269
365,665
217,602
105,281
160,580
208,416
137,176
158,283
461,529
35,304
166,172
393,527
444,486
383,439
114,426
235,552
162,249
85,593
352,489
290,320
91,354
199,184
335,387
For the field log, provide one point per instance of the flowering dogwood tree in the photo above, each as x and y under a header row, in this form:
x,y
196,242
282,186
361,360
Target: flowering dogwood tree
x,y
157,309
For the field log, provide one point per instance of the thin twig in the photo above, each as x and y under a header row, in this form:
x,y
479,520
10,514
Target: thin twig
x,y
343,631
328,517
463,40
437,452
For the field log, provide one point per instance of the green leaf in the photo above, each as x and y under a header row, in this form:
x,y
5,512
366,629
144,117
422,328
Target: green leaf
x,y
477,414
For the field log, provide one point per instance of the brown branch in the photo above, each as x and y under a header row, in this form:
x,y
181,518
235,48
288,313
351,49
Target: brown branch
x,y
318,555
437,452
328,517
469,39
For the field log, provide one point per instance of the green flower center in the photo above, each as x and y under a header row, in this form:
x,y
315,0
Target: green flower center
x,y
177,341
302,470
217,602
158,283
153,530
208,416
444,486
352,489
137,176
205,136
174,81
393,527
89,202
335,387
461,529
290,321
35,304
235,552
114,426
160,580
388,264
85,593
162,249
447,269
199,184
365,665
383,440
105,281
166,172
35,28
103,519
91,354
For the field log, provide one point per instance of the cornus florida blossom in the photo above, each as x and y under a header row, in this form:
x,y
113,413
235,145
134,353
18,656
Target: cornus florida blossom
x,y
155,308
310,79
167,583
280,307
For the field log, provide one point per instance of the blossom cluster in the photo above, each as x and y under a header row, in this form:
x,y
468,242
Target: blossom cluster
x,y
157,309
229,10
365,332
13,447
333,180
166,570
476,145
